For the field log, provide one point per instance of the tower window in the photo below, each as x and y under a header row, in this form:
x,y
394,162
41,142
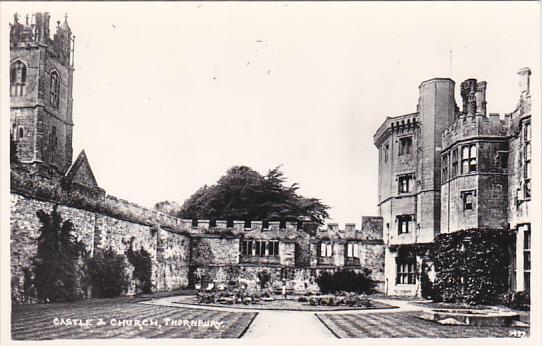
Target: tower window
x,y
20,132
527,160
385,151
405,145
468,159
55,89
18,79
405,183
405,224
468,199
53,140
454,162
444,168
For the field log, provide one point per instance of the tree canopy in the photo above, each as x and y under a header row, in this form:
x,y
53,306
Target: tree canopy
x,y
244,194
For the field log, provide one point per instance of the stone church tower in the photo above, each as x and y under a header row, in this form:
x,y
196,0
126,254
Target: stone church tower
x,y
41,77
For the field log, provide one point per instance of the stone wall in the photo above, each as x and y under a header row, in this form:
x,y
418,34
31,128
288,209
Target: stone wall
x,y
169,250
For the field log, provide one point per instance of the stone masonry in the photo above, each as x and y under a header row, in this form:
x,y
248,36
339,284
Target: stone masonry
x,y
442,169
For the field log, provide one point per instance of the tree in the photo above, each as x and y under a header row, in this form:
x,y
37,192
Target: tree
x,y
56,265
244,194
168,207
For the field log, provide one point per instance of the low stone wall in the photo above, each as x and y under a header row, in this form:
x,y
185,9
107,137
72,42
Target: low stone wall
x,y
300,280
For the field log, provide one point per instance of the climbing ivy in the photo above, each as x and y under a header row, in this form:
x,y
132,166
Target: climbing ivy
x,y
472,266
56,266
141,260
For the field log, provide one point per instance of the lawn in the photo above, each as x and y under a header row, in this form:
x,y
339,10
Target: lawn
x,y
407,325
37,322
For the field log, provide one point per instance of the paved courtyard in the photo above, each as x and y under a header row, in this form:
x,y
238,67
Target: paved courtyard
x,y
166,318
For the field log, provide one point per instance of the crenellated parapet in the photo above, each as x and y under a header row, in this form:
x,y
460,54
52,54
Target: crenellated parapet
x,y
402,124
473,126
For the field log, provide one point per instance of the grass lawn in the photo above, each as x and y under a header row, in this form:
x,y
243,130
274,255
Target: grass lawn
x,y
407,325
36,322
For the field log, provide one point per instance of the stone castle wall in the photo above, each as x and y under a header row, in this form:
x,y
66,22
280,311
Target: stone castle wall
x,y
169,250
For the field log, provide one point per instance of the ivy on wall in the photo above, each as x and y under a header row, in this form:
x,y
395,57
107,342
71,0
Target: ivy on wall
x,y
57,266
141,260
472,266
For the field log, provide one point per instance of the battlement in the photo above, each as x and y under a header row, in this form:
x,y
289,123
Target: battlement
x,y
201,226
34,31
472,126
398,124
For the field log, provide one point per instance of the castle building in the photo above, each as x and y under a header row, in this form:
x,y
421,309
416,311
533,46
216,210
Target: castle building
x,y
443,170
41,81
219,251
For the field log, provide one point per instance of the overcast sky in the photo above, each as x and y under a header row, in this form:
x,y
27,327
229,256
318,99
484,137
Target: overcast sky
x,y
168,96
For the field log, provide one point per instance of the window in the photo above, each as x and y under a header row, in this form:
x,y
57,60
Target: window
x,y
454,163
17,75
526,256
503,157
259,248
405,145
405,224
326,249
385,151
468,159
54,89
53,141
352,250
527,160
273,247
444,168
406,271
468,199
405,183
20,133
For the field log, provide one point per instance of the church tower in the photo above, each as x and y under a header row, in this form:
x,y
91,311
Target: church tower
x,y
41,81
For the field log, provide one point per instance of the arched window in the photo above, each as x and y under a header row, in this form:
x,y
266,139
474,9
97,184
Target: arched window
x,y
20,133
54,88
17,75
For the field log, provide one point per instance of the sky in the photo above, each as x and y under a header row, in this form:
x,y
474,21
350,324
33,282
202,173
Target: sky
x,y
168,96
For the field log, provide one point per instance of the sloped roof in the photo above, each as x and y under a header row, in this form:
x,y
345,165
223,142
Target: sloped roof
x,y
81,173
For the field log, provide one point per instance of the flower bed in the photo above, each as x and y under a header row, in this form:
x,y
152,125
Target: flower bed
x,y
339,299
229,297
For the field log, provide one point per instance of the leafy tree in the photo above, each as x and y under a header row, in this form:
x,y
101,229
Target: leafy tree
x,y
56,265
106,271
244,194
168,207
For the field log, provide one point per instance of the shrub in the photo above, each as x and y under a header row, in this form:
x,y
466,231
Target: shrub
x,y
346,280
265,277
107,274
56,271
141,260
518,300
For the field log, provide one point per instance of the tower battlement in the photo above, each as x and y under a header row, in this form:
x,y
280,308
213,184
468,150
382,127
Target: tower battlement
x,y
35,30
